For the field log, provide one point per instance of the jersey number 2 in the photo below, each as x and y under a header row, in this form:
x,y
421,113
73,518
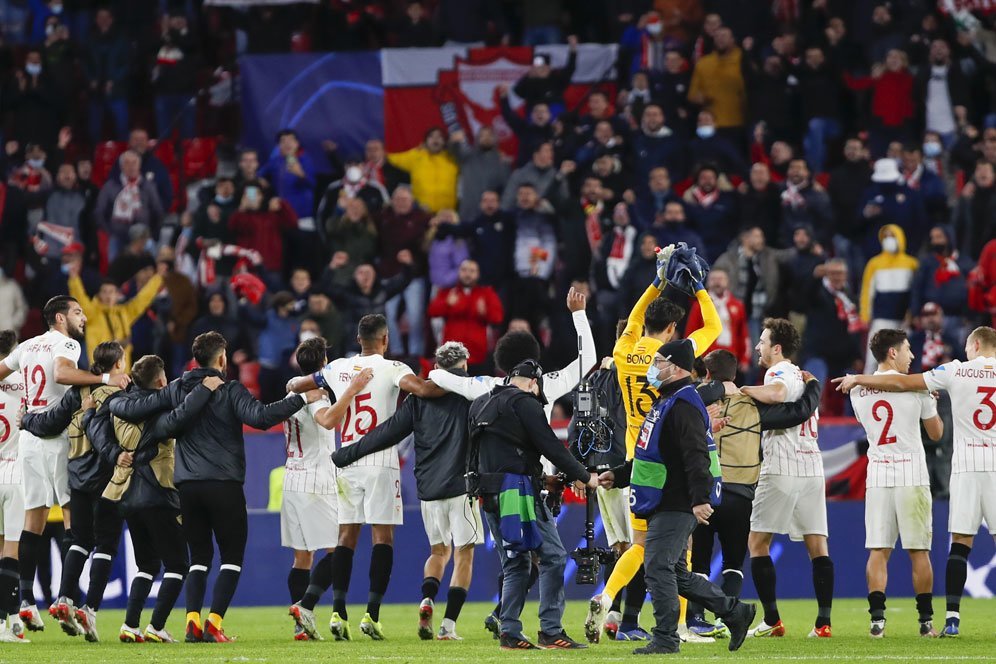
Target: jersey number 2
x,y
884,438
353,418
987,401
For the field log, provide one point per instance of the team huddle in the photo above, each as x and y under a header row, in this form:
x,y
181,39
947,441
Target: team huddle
x,y
118,444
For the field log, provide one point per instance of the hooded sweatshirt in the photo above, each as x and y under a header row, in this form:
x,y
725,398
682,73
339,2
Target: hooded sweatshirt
x,y
888,280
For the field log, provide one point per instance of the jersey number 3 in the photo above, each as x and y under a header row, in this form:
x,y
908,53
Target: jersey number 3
x,y
353,425
987,401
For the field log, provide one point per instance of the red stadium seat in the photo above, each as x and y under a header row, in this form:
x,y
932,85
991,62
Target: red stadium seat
x,y
200,159
167,153
104,157
249,376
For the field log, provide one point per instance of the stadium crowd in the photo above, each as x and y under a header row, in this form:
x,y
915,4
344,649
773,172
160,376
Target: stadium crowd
x,y
834,162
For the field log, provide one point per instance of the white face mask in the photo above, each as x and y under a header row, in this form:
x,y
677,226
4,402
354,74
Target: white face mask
x,y
354,174
890,245
307,335
654,28
705,131
33,68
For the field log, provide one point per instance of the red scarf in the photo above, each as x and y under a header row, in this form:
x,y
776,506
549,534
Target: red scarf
x,y
593,222
705,199
618,249
933,350
846,310
947,269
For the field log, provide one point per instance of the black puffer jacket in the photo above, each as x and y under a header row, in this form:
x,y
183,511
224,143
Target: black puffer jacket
x,y
212,448
90,471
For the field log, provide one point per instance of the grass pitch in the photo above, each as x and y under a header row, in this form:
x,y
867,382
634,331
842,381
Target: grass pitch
x,y
265,635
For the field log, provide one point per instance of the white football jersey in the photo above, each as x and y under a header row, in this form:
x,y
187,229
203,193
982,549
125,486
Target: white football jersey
x,y
972,387
11,398
892,423
374,405
309,467
35,359
795,451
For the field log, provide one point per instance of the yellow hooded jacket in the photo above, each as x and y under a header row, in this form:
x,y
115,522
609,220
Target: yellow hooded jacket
x,y
887,281
113,323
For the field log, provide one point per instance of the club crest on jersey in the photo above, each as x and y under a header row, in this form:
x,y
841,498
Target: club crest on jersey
x,y
774,374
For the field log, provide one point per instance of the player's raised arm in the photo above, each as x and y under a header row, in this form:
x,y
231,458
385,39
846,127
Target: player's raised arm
x,y
557,384
884,382
712,326
67,373
469,387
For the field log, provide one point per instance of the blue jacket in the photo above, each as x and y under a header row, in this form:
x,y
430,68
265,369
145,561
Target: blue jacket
x,y
952,295
901,206
298,192
648,152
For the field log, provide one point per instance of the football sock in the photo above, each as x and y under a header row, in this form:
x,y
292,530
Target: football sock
x,y
196,589
297,583
823,588
141,586
733,582
876,605
28,552
215,619
954,577
381,562
762,570
169,591
626,567
321,579
10,597
636,592
100,574
342,570
224,589
925,606
454,602
430,588
72,570
606,573
194,617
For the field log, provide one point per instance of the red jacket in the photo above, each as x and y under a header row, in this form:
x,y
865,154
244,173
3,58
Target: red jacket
x,y
892,95
263,231
982,282
734,327
467,319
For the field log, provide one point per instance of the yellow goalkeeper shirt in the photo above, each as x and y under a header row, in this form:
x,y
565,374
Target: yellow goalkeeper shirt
x,y
633,354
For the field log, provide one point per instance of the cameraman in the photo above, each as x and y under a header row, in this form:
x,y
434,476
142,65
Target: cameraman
x,y
509,433
613,504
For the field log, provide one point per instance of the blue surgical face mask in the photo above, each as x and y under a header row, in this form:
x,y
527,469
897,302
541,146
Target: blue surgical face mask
x,y
36,163
705,131
65,268
653,374
33,69
932,150
223,200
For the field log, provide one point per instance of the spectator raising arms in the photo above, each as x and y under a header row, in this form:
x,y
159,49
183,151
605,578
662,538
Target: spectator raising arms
x,y
467,309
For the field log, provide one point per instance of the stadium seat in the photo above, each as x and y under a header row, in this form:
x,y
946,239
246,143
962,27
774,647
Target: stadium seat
x,y
104,157
166,152
199,158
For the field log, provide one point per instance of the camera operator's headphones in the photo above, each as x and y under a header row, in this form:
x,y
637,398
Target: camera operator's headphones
x,y
530,369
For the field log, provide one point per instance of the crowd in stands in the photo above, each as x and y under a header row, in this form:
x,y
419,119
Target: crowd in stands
x,y
834,161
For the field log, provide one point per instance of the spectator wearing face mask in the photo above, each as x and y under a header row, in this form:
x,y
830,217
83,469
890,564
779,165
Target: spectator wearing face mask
x,y
942,278
647,44
35,104
888,201
353,185
34,180
671,226
708,146
886,287
718,85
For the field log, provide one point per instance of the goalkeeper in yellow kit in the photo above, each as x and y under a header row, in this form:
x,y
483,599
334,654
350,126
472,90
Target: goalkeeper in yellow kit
x,y
651,324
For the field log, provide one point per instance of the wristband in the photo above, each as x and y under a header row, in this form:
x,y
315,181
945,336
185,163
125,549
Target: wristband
x,y
105,378
319,379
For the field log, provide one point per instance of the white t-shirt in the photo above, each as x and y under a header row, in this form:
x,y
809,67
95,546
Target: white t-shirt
x,y
972,386
895,446
35,359
374,405
309,467
795,451
11,397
